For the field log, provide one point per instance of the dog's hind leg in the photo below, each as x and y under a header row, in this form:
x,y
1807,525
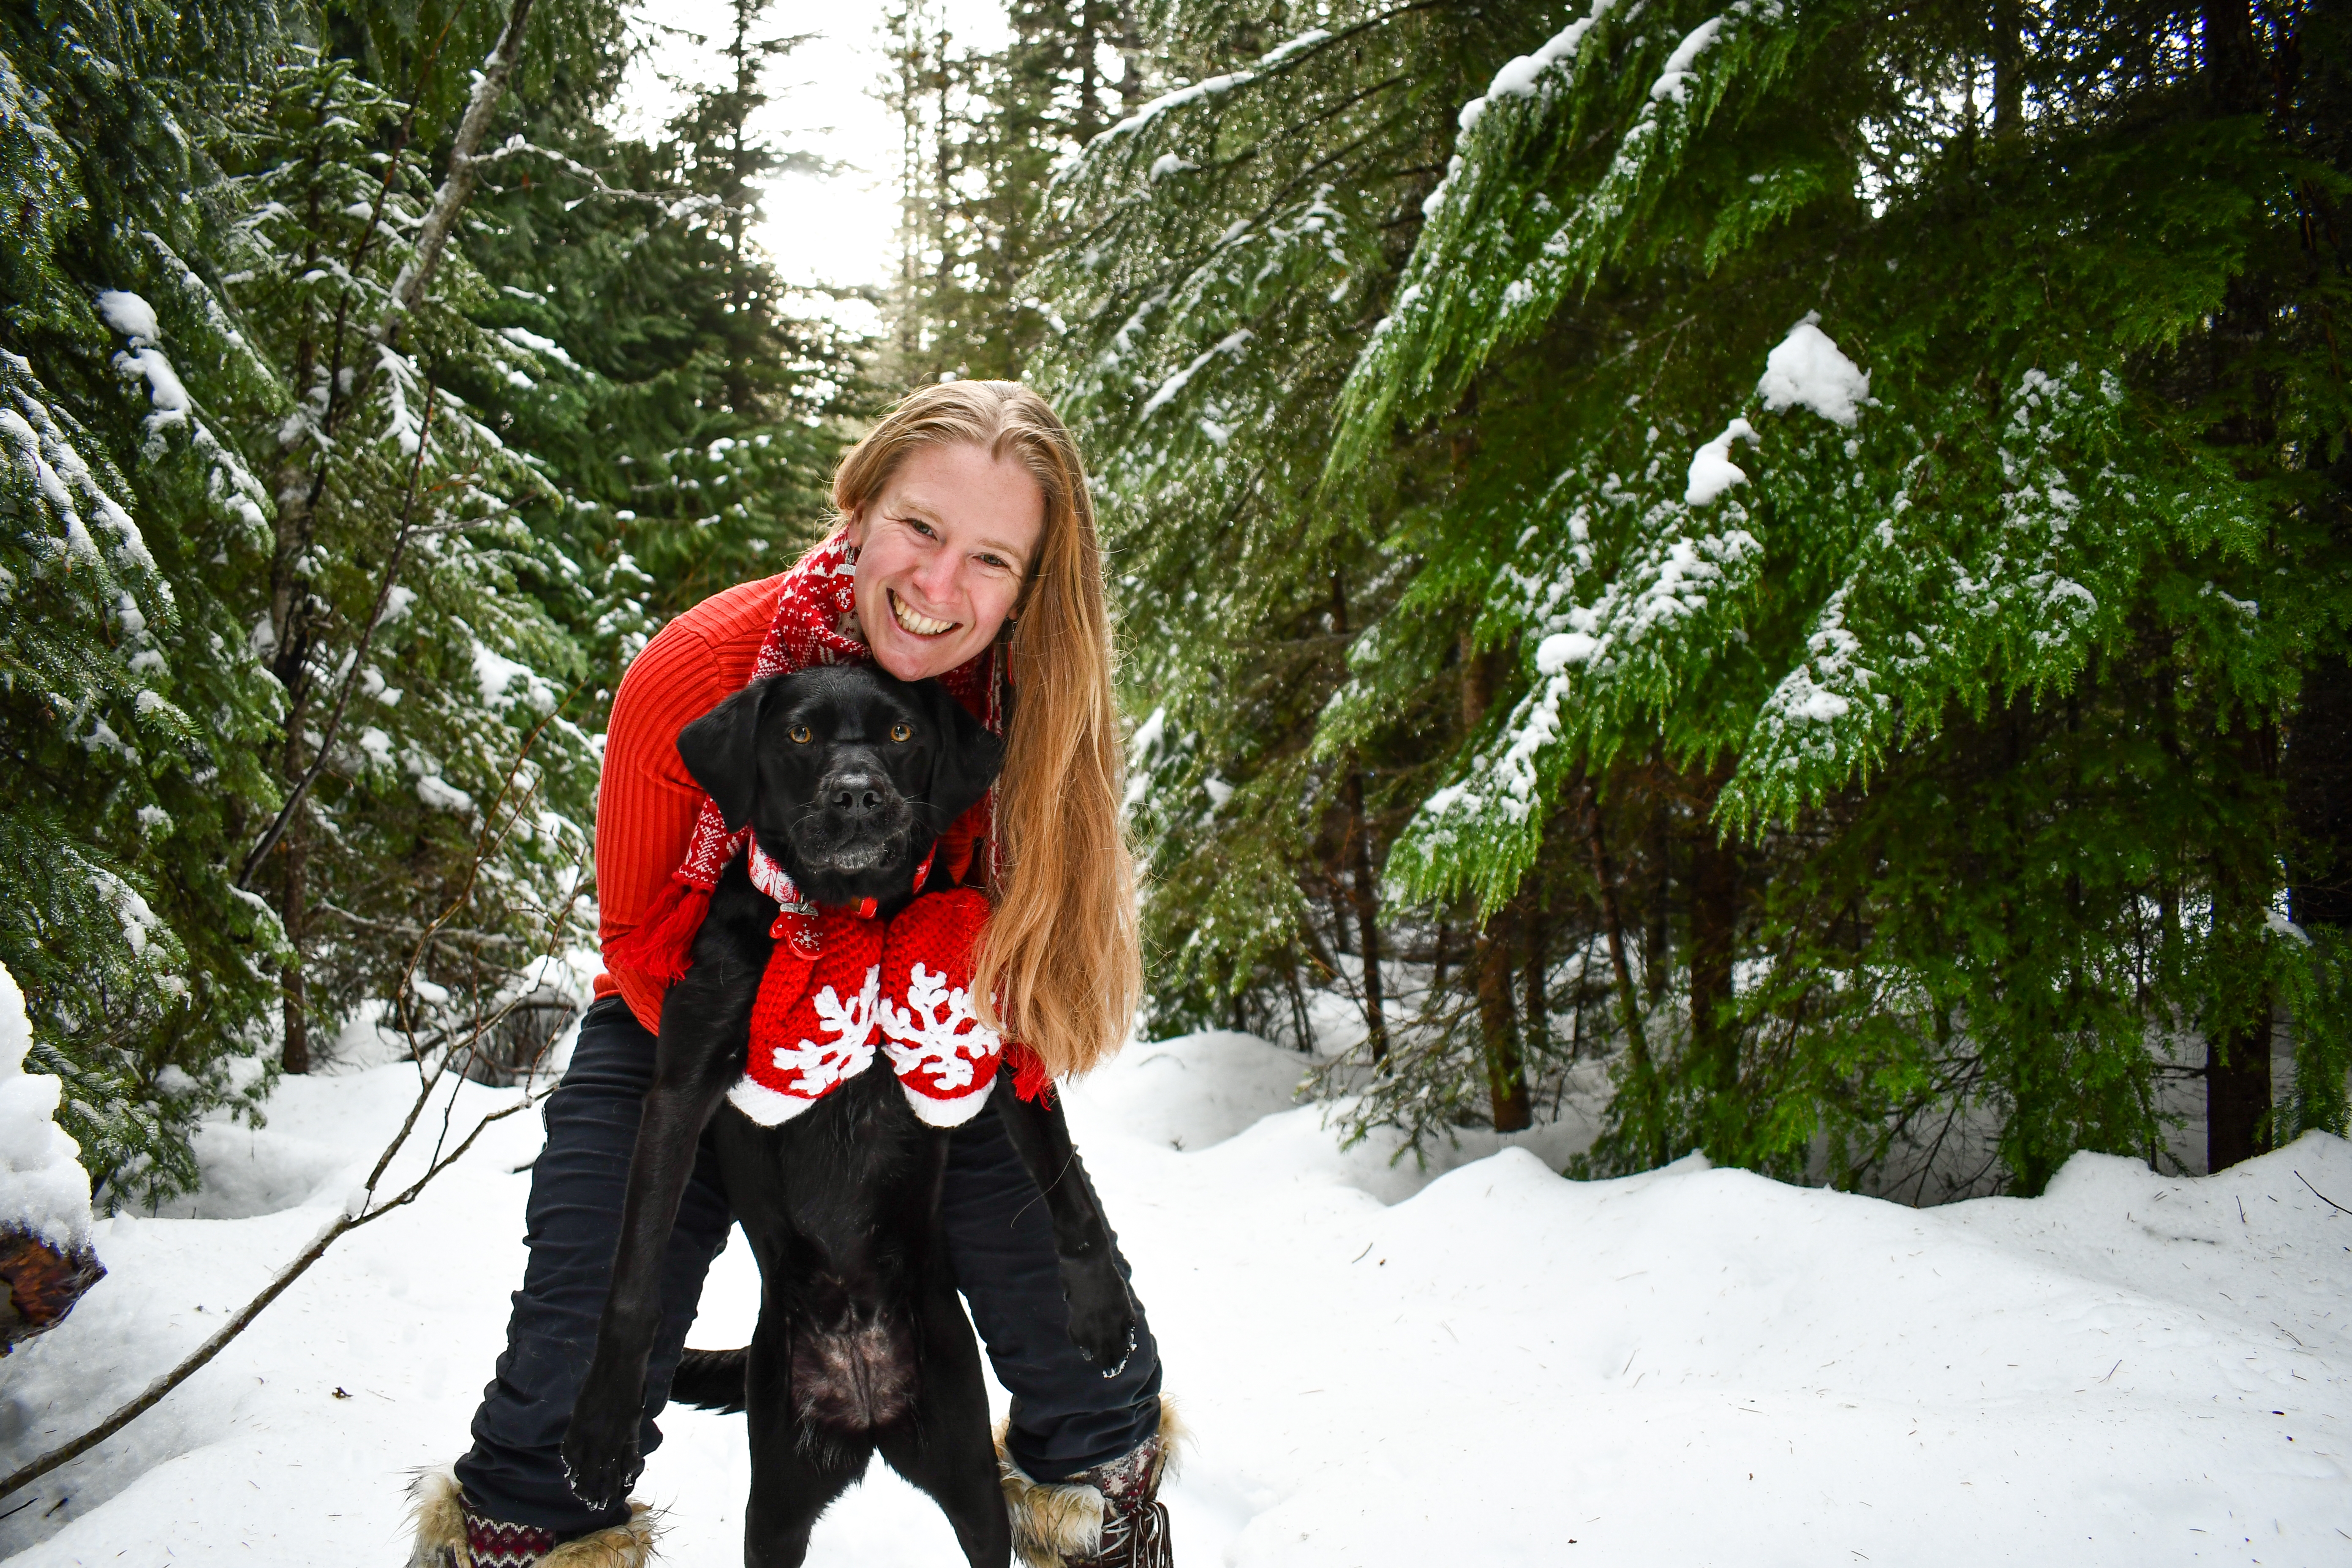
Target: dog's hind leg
x,y
789,1489
944,1448
796,1471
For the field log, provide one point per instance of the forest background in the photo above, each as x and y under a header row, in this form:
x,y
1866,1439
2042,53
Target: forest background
x,y
1776,575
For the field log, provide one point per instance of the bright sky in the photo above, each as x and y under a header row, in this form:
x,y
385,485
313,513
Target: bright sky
x,y
843,229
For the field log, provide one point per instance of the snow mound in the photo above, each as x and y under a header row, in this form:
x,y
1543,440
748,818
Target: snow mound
x,y
1383,1362
1193,1092
43,1189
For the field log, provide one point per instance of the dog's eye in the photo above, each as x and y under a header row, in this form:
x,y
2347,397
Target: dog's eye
x,y
799,735
902,731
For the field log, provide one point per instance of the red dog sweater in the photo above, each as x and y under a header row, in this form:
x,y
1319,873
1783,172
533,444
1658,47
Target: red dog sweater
x,y
904,989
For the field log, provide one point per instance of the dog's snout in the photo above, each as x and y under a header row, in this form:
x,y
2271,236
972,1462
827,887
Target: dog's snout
x,y
858,796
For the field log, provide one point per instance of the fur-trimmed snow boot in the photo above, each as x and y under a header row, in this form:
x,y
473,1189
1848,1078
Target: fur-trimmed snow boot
x,y
1109,1516
451,1534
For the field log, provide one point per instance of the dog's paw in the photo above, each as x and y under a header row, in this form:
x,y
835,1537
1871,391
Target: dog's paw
x,y
600,1461
1102,1316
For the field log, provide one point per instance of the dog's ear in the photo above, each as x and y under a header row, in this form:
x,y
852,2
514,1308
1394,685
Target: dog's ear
x,y
965,757
720,749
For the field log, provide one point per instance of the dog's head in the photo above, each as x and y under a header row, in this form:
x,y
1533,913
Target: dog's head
x,y
846,773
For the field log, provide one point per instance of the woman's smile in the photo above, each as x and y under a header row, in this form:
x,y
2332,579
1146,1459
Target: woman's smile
x,y
914,620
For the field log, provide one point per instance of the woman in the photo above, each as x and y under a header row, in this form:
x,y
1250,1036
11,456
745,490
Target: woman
x,y
969,543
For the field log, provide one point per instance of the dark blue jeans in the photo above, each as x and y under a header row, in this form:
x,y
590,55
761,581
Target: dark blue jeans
x,y
1066,1416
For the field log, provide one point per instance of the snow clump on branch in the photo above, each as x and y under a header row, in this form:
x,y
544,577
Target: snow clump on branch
x,y
1808,369
1712,471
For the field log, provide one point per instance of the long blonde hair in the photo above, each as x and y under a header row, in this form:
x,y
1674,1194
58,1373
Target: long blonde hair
x,y
1060,965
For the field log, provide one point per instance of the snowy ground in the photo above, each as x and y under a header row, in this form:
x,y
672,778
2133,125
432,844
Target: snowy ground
x,y
1489,1365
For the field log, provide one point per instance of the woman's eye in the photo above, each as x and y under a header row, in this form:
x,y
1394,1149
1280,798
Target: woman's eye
x,y
902,732
994,562
799,735
919,526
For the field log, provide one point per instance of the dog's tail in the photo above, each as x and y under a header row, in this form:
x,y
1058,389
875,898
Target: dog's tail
x,y
711,1380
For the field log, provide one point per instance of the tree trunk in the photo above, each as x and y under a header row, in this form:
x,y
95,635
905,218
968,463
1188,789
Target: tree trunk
x,y
295,913
1088,119
2319,795
2233,65
457,187
2237,1093
2238,1050
1131,55
1365,891
2008,68
1368,918
1535,1007
1613,924
1506,1081
1643,1120
1714,930
1657,960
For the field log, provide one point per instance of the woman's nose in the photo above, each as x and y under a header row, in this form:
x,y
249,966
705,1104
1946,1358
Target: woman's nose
x,y
938,577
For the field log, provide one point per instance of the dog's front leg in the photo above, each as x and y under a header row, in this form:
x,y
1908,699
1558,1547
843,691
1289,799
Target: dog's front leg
x,y
1102,1313
705,1020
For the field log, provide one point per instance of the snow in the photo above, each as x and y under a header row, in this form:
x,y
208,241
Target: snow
x,y
495,675
129,315
43,1191
1216,86
1381,1366
1806,370
1712,471
1232,343
1561,649
139,921
165,388
1676,75
442,795
1519,77
522,337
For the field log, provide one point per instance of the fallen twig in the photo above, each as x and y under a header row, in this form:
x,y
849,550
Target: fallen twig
x,y
2323,1197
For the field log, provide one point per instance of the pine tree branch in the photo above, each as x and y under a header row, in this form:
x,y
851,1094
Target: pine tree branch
x,y
465,170
358,655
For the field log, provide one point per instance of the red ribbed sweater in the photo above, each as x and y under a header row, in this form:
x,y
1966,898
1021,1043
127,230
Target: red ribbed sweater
x,y
647,802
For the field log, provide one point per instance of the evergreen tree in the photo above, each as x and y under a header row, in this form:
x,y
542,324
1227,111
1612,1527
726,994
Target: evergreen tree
x,y
1876,485
320,566
131,707
984,131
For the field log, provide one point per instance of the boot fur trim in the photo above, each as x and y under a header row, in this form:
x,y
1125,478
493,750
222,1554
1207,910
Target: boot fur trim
x,y
1056,1522
436,1508
437,1505
629,1545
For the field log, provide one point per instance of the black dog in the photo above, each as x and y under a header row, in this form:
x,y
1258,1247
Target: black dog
x,y
847,777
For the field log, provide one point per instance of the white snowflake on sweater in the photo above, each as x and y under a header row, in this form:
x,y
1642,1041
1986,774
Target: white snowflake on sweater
x,y
848,1053
929,1034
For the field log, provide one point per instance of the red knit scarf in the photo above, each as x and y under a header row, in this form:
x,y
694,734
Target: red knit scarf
x,y
827,973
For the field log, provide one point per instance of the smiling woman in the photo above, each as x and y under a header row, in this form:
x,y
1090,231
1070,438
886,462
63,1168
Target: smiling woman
x,y
965,551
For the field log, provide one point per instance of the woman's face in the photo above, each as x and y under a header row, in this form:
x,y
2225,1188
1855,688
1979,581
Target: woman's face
x,y
943,551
